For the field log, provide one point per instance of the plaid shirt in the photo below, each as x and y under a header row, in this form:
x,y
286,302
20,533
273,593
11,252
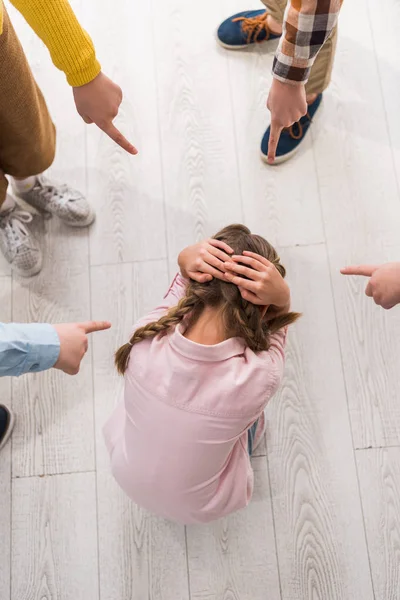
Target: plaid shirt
x,y
306,27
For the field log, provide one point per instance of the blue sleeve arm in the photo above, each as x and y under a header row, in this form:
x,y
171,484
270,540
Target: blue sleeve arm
x,y
27,348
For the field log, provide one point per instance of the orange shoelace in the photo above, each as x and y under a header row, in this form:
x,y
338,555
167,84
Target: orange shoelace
x,y
254,26
299,134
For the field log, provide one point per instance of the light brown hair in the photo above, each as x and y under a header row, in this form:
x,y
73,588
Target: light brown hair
x,y
241,318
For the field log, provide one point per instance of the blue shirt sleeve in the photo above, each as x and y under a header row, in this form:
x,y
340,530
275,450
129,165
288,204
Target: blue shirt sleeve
x,y
27,348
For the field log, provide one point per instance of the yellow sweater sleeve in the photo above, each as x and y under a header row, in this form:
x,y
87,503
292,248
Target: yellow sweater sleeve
x,y
71,48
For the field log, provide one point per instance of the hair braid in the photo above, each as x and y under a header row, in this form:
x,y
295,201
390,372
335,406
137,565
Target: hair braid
x,y
190,303
248,324
241,318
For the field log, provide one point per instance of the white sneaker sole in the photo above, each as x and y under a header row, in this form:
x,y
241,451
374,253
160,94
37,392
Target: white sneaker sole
x,y
280,159
90,219
30,272
228,47
9,430
243,46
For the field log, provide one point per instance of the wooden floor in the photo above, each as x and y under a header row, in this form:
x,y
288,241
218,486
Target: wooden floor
x,y
324,523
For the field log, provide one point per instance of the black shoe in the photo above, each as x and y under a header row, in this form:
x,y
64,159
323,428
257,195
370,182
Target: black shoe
x,y
7,422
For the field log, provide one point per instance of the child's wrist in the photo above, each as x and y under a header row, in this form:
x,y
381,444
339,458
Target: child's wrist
x,y
181,265
283,302
285,309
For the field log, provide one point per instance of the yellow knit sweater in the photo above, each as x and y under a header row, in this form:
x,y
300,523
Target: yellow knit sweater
x,y
70,46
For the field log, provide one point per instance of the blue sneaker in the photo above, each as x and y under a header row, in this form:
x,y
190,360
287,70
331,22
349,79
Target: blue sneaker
x,y
245,28
292,137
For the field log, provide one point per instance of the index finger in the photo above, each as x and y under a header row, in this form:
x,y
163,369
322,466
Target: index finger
x,y
250,273
118,138
221,245
92,326
257,258
274,135
218,254
246,284
210,270
363,270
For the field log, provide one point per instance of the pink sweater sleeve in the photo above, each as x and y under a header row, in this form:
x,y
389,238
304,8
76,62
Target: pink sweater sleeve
x,y
276,350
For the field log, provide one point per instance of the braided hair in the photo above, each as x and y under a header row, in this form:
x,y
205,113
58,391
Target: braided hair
x,y
241,318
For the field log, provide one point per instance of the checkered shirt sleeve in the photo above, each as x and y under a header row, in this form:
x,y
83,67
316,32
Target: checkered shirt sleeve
x,y
306,27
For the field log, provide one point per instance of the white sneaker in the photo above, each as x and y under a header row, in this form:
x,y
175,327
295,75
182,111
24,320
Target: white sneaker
x,y
60,200
17,243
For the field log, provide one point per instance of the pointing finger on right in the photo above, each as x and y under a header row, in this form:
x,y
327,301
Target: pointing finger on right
x,y
363,270
368,290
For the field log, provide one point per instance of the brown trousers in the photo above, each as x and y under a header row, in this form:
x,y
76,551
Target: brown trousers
x,y
27,134
321,71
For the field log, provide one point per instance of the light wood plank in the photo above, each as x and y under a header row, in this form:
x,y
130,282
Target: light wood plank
x,y
54,538
361,211
127,190
55,412
384,18
322,552
281,203
236,556
5,269
202,189
261,449
379,473
122,294
140,556
5,460
54,432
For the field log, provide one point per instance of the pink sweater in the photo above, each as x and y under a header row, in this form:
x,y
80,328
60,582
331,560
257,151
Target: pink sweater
x,y
178,442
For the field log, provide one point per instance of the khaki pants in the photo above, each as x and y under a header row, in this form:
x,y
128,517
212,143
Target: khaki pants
x,y
321,71
27,134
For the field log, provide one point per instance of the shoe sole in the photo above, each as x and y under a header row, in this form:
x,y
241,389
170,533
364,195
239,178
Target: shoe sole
x,y
228,47
30,273
90,219
244,46
9,430
280,159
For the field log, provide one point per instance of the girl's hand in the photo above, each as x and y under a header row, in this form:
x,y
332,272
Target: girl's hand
x,y
204,260
264,285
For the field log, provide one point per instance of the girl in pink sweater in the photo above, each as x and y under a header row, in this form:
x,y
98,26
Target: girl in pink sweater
x,y
199,372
